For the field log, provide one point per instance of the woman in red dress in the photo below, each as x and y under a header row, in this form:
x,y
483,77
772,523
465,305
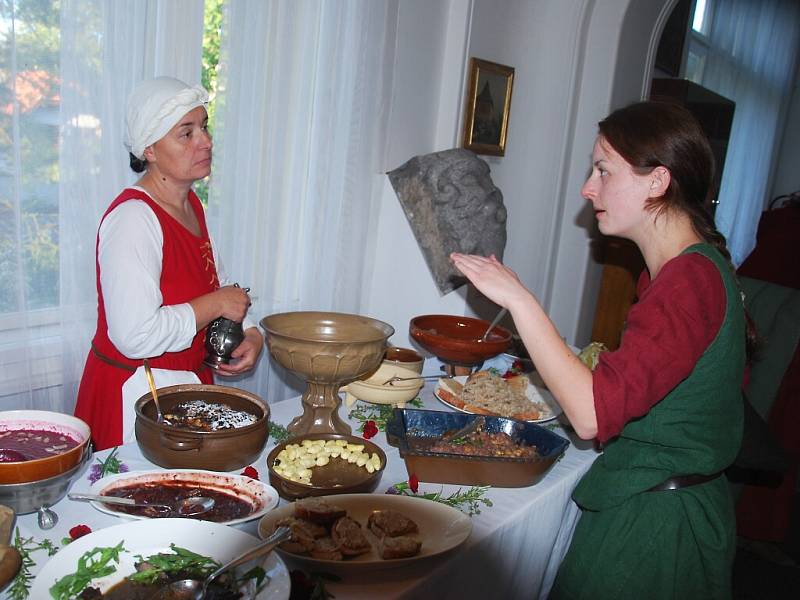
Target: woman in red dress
x,y
158,284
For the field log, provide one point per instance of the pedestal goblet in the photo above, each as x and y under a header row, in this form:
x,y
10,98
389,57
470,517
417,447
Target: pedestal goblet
x,y
328,350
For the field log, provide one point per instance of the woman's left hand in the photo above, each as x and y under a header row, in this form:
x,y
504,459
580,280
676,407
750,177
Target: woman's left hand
x,y
245,355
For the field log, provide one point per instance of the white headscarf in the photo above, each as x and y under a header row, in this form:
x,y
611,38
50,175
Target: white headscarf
x,y
154,107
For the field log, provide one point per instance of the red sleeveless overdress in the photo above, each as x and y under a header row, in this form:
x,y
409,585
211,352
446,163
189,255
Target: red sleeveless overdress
x,y
187,271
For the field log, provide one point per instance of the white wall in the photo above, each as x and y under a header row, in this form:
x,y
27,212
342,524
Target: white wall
x,y
567,66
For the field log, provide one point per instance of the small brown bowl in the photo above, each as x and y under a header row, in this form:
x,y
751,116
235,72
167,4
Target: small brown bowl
x,y
181,448
337,477
43,468
457,340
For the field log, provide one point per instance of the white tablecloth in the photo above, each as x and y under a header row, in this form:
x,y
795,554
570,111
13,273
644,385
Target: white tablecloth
x,y
514,550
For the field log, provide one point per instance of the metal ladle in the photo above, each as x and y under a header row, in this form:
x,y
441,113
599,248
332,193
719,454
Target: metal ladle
x,y
152,383
194,589
188,507
496,320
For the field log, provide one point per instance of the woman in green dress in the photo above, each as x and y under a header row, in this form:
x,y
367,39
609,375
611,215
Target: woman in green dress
x,y
657,519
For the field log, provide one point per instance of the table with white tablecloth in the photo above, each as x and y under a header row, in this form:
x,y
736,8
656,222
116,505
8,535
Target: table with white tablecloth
x,y
514,550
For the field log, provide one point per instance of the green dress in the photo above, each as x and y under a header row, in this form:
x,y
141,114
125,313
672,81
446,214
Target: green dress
x,y
632,543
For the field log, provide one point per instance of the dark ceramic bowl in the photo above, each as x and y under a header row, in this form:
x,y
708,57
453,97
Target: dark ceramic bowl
x,y
46,421
457,340
408,429
180,448
336,477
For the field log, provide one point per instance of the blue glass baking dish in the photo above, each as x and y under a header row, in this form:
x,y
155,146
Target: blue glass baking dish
x,y
407,429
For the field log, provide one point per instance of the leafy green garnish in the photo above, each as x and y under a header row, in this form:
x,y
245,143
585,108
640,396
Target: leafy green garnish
x,y
379,413
278,433
20,587
191,563
468,502
91,565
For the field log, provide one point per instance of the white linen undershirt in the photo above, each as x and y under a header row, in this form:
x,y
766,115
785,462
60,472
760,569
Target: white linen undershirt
x,y
130,254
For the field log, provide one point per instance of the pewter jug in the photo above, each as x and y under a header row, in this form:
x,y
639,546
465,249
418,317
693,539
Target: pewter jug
x,y
222,337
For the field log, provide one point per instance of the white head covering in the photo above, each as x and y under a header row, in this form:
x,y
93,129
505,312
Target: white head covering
x,y
154,107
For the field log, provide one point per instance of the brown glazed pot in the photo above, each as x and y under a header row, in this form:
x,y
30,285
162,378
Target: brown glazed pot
x,y
51,466
457,340
223,450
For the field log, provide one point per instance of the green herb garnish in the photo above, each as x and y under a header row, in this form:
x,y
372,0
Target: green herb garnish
x,y
379,413
20,587
468,502
91,565
191,563
278,433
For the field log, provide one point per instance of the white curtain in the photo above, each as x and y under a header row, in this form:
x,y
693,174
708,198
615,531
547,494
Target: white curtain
x,y
106,47
297,141
752,60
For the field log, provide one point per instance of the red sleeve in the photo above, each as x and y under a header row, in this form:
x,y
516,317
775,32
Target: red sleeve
x,y
676,318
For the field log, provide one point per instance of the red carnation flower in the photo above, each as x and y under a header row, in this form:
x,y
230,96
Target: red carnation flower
x,y
250,472
79,531
518,365
413,483
370,430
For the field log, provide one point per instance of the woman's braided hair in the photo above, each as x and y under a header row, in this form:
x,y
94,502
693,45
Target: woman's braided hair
x,y
653,134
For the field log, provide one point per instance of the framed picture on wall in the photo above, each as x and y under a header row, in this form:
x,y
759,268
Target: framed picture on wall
x,y
488,107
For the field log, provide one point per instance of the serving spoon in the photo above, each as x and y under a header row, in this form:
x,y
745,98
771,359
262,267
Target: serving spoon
x,y
152,383
496,320
188,507
194,589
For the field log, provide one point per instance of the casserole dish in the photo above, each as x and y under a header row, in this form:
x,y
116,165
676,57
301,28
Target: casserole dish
x,y
409,429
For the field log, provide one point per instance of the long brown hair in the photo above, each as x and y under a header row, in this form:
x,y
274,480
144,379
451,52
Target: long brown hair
x,y
661,134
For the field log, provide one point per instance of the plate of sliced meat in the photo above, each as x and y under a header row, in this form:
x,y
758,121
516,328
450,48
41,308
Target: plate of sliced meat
x,y
353,533
522,397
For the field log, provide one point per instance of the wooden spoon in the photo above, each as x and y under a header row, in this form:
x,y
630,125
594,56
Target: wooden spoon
x,y
152,383
10,559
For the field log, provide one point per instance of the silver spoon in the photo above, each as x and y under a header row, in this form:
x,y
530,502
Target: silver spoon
x,y
188,507
194,589
473,425
496,320
152,383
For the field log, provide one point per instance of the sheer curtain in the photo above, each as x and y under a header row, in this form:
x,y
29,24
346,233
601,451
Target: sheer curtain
x,y
298,132
105,48
752,60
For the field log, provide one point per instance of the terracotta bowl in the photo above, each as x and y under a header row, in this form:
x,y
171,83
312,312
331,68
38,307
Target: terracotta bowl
x,y
404,357
43,468
221,450
457,340
334,478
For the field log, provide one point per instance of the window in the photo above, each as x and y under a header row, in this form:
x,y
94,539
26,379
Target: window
x,y
698,40
29,109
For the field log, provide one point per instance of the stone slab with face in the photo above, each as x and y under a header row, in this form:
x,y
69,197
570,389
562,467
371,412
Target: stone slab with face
x,y
452,206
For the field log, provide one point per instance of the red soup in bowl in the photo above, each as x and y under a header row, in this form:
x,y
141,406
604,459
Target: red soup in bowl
x,y
39,444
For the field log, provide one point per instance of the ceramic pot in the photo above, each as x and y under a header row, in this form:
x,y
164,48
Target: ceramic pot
x,y
180,448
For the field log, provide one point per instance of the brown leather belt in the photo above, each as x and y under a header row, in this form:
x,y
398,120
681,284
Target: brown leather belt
x,y
115,363
111,361
683,481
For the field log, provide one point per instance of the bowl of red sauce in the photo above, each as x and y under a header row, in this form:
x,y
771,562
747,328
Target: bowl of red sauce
x,y
39,444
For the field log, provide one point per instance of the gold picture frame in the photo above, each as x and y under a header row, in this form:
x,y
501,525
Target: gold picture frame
x,y
488,107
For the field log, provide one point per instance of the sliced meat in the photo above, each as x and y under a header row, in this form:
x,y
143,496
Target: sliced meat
x,y
390,523
399,547
301,541
326,549
349,536
313,529
317,510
